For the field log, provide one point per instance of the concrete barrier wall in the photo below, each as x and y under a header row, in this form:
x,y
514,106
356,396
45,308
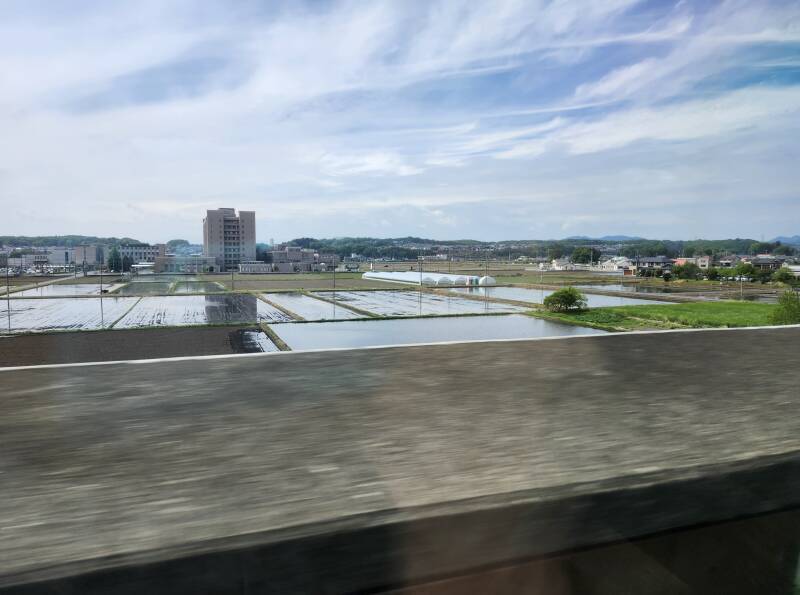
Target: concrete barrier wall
x,y
380,469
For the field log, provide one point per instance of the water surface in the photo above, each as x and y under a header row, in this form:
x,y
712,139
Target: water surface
x,y
185,310
59,290
59,314
367,333
311,308
416,303
536,296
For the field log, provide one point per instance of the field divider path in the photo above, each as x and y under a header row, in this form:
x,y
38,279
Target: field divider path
x,y
482,298
273,336
128,311
286,311
355,309
16,288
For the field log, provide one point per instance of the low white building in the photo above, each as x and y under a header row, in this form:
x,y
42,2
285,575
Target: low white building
x,y
423,278
142,252
616,263
561,264
793,268
255,267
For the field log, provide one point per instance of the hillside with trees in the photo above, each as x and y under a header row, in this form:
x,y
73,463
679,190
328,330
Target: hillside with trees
x,y
69,241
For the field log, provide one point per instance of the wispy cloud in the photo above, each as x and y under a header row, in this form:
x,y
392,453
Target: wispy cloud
x,y
448,112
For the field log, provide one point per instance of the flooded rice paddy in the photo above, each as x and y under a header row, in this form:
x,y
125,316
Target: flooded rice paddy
x,y
197,287
59,290
415,303
187,310
335,325
60,314
368,333
257,342
144,288
310,308
536,296
626,287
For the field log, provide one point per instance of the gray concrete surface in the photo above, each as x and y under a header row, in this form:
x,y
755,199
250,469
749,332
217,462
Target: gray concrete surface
x,y
363,469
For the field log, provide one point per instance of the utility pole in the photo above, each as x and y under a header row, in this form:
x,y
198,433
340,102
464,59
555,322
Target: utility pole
x,y
8,300
102,317
419,266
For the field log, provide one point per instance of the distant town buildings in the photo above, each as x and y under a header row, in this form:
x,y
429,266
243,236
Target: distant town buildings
x,y
180,263
142,252
229,238
87,255
291,259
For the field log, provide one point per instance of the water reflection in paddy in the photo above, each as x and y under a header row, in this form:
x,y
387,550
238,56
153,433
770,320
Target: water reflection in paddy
x,y
536,296
367,333
311,308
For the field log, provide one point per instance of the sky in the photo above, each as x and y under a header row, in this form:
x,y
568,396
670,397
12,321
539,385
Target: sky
x,y
441,119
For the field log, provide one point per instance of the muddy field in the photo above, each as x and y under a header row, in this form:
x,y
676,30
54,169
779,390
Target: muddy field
x,y
303,282
98,346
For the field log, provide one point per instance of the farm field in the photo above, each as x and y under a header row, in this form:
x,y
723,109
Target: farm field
x,y
304,282
178,310
368,333
58,290
197,287
59,314
108,279
687,315
144,288
257,342
29,280
311,308
114,345
415,303
536,296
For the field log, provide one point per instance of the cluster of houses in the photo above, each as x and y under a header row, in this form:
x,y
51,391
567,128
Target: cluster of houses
x,y
632,266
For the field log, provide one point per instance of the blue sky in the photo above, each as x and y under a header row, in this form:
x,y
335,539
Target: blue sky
x,y
485,120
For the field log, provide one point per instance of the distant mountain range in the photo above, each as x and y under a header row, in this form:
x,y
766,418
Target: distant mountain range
x,y
792,240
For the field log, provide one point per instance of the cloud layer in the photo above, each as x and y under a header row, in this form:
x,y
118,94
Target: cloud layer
x,y
445,119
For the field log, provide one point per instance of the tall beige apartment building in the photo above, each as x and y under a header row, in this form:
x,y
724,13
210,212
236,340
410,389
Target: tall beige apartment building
x,y
230,238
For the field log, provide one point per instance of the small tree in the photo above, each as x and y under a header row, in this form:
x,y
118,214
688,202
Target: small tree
x,y
686,271
127,261
788,309
565,300
745,269
763,275
114,260
712,274
783,275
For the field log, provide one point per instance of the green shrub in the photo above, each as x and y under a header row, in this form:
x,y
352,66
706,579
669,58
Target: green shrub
x,y
783,275
565,300
788,310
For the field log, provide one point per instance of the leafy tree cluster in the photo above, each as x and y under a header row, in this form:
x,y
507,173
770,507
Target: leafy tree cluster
x,y
788,309
585,255
687,271
173,244
68,241
114,262
565,300
784,275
